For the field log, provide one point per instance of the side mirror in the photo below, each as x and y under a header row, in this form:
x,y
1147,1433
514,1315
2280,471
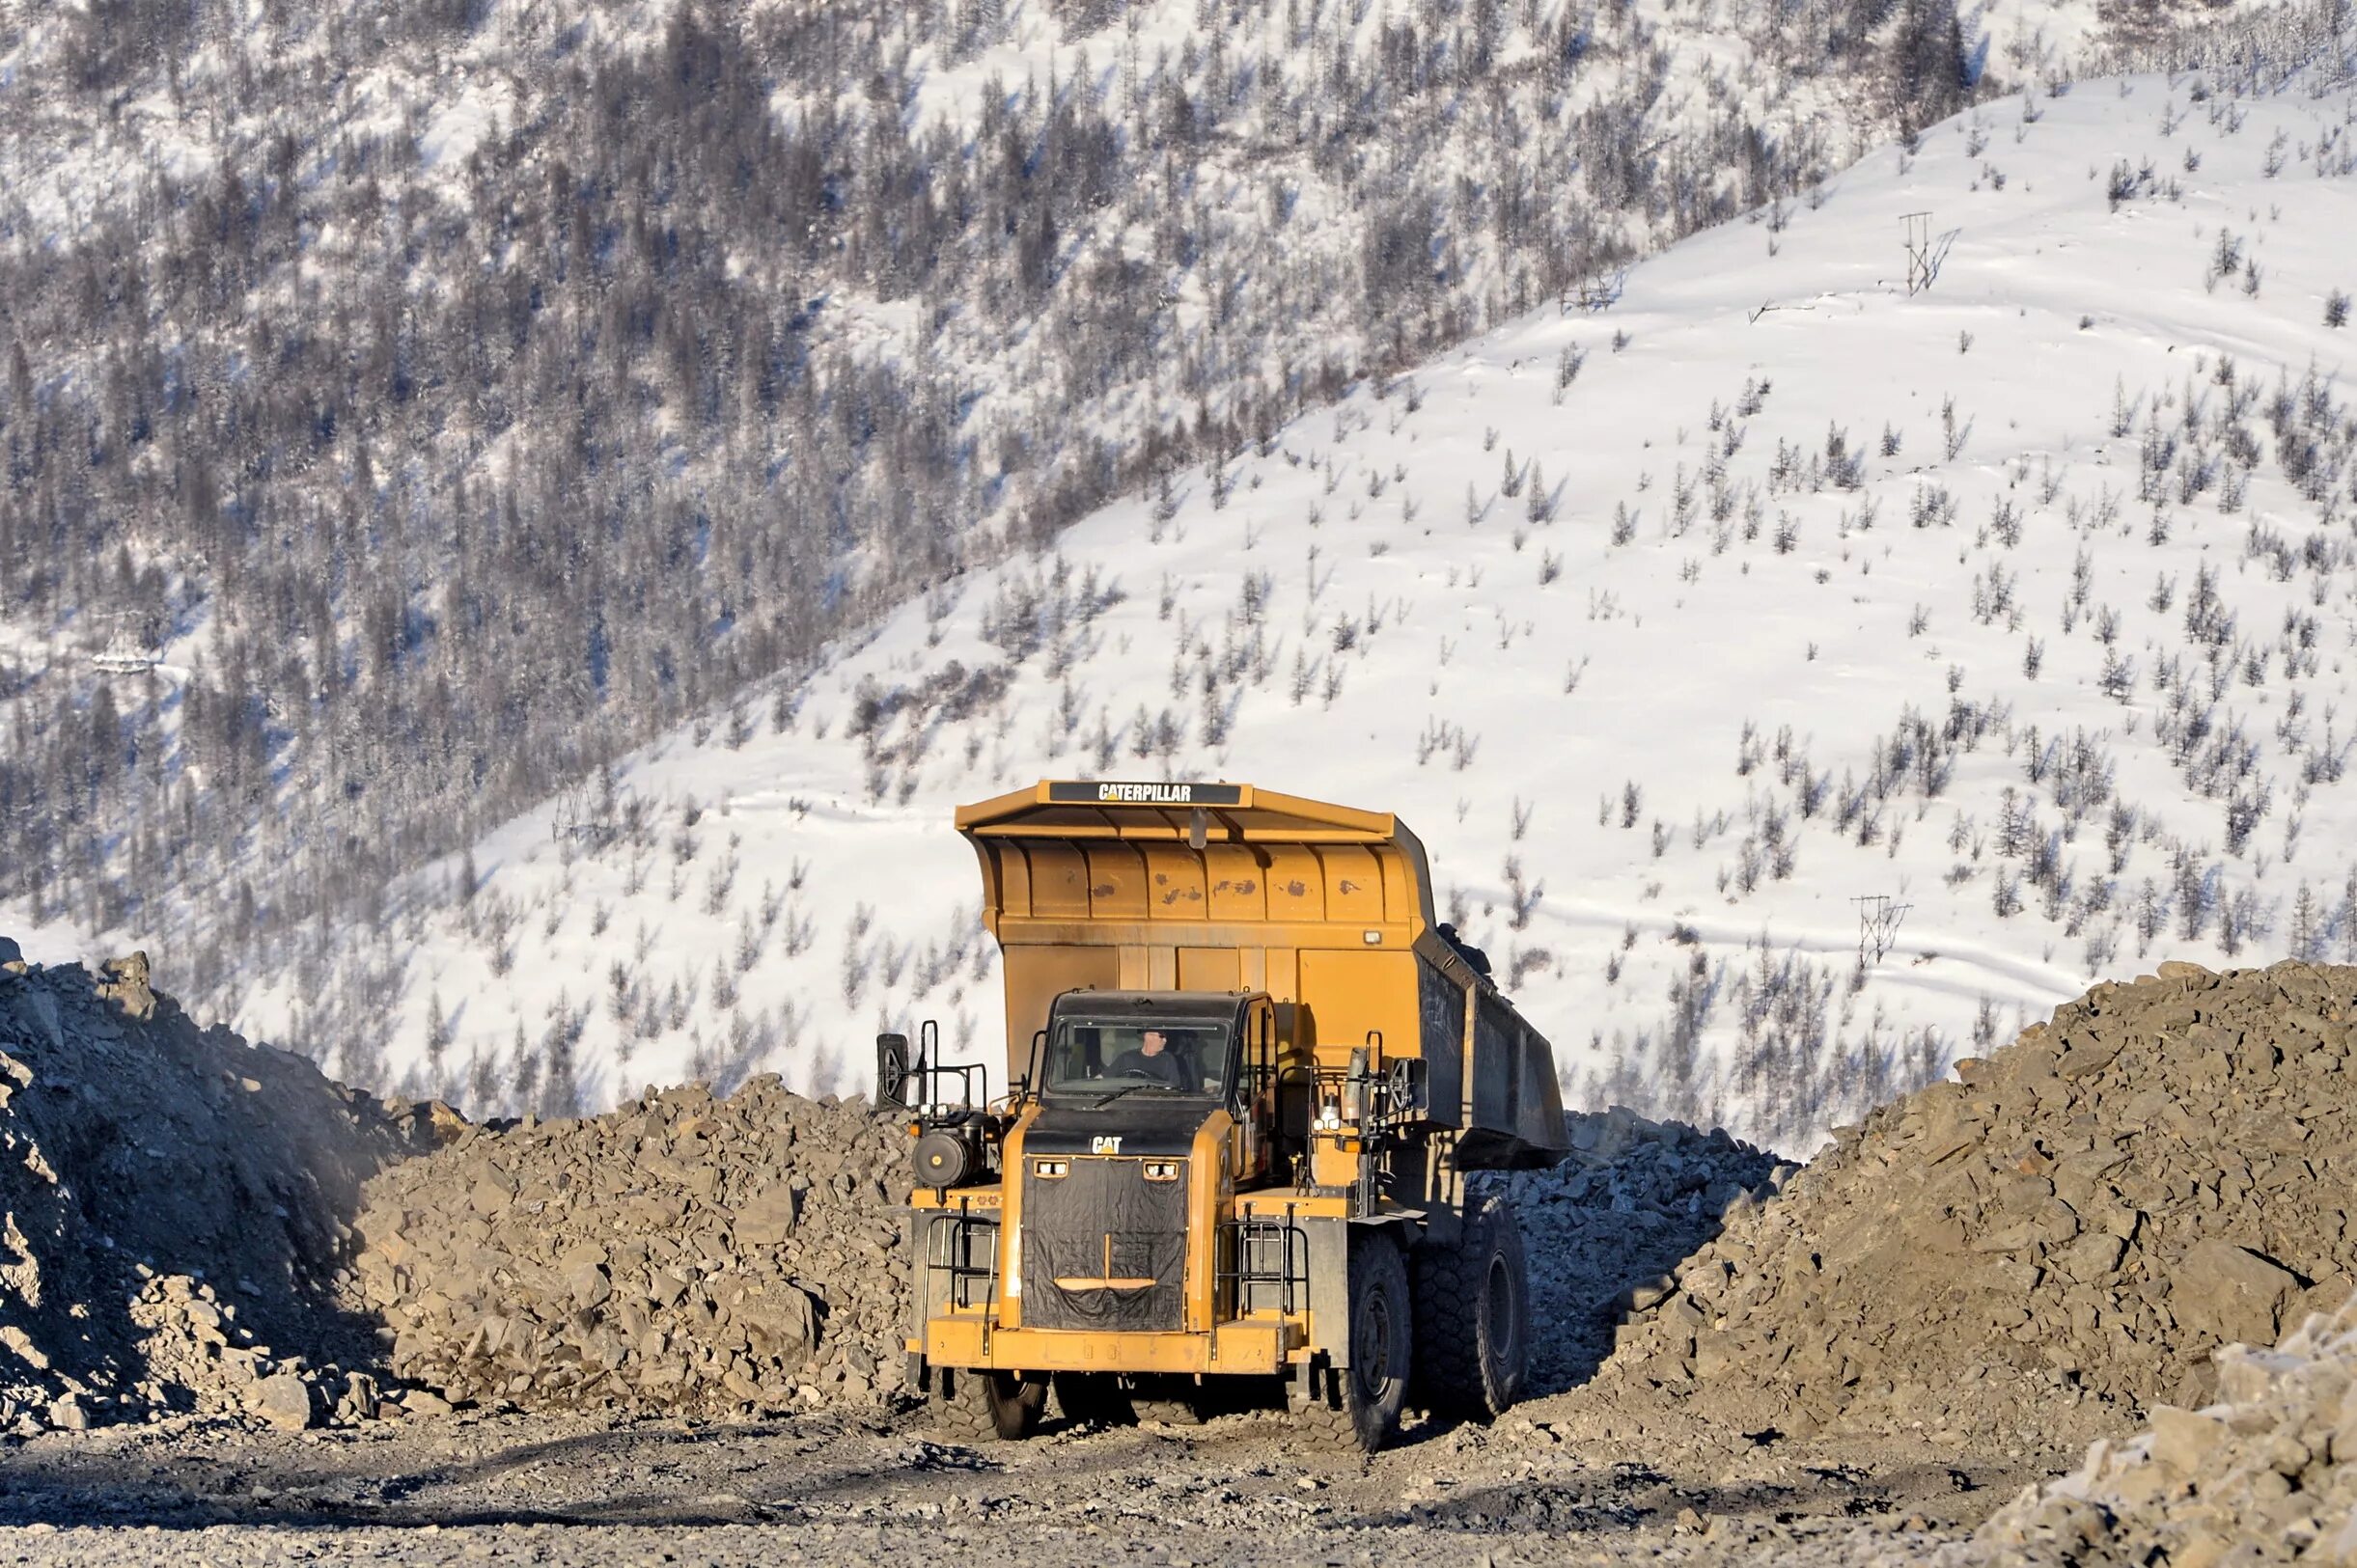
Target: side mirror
x,y
892,1071
1035,1068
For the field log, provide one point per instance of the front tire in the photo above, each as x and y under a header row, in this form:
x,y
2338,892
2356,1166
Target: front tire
x,y
1473,1317
977,1405
1358,1405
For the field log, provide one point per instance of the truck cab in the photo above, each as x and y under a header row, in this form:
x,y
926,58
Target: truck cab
x,y
1142,1067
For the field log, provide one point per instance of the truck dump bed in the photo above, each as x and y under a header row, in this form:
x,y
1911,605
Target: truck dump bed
x,y
1223,887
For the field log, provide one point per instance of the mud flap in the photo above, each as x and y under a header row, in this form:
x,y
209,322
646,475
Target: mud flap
x,y
1329,1242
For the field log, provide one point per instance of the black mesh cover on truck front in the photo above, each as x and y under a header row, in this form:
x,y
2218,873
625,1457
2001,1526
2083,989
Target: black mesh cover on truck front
x,y
1103,1246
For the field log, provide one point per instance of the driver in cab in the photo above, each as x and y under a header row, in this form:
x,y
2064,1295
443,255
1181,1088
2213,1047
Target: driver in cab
x,y
1153,1059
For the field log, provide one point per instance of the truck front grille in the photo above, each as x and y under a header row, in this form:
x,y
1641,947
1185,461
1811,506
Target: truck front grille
x,y
1104,1248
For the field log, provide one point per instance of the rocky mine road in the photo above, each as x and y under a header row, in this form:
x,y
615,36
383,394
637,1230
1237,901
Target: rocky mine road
x,y
1577,1477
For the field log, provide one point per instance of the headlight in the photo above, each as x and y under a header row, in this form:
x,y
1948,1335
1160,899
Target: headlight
x,y
1161,1171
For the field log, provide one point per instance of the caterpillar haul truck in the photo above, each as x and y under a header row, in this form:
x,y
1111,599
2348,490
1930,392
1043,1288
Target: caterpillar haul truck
x,y
1247,1079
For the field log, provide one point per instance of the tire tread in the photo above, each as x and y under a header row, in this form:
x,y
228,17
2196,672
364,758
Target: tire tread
x,y
1452,1378
963,1414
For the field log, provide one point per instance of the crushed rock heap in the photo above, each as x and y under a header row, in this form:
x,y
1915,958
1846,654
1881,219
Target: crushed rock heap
x,y
682,1254
174,1203
2051,1244
2267,1474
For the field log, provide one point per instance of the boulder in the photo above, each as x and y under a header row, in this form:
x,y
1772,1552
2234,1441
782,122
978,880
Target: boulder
x,y
2230,1293
285,1400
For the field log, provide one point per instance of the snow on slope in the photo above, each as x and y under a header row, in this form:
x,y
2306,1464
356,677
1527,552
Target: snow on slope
x,y
1655,771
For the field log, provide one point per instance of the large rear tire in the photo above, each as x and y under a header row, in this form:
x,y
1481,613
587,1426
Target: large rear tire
x,y
1358,1405
977,1405
1473,1317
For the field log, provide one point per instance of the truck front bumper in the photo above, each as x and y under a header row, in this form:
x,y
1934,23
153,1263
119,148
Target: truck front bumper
x,y
1246,1345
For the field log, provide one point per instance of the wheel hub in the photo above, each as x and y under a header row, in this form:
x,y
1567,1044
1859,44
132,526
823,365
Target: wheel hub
x,y
1502,1322
1370,1345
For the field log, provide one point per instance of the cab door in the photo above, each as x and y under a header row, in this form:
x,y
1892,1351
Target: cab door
x,y
1255,1102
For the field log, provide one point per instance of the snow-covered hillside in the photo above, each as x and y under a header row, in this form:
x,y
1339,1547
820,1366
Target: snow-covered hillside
x,y
462,396
1675,628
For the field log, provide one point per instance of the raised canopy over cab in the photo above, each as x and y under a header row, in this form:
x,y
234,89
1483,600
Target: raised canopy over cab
x,y
1226,886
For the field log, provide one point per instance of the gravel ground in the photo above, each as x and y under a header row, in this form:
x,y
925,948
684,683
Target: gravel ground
x,y
1558,1481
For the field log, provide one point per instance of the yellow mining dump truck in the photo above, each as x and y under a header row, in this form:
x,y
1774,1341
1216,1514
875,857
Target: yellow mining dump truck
x,y
1247,1075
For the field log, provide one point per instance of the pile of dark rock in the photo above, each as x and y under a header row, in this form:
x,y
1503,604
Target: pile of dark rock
x,y
1634,1198
174,1202
2051,1244
682,1254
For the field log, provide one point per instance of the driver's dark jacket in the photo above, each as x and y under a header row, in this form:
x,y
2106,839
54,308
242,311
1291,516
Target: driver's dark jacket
x,y
1163,1066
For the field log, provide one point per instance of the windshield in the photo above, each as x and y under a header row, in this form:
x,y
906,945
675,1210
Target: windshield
x,y
1093,1055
